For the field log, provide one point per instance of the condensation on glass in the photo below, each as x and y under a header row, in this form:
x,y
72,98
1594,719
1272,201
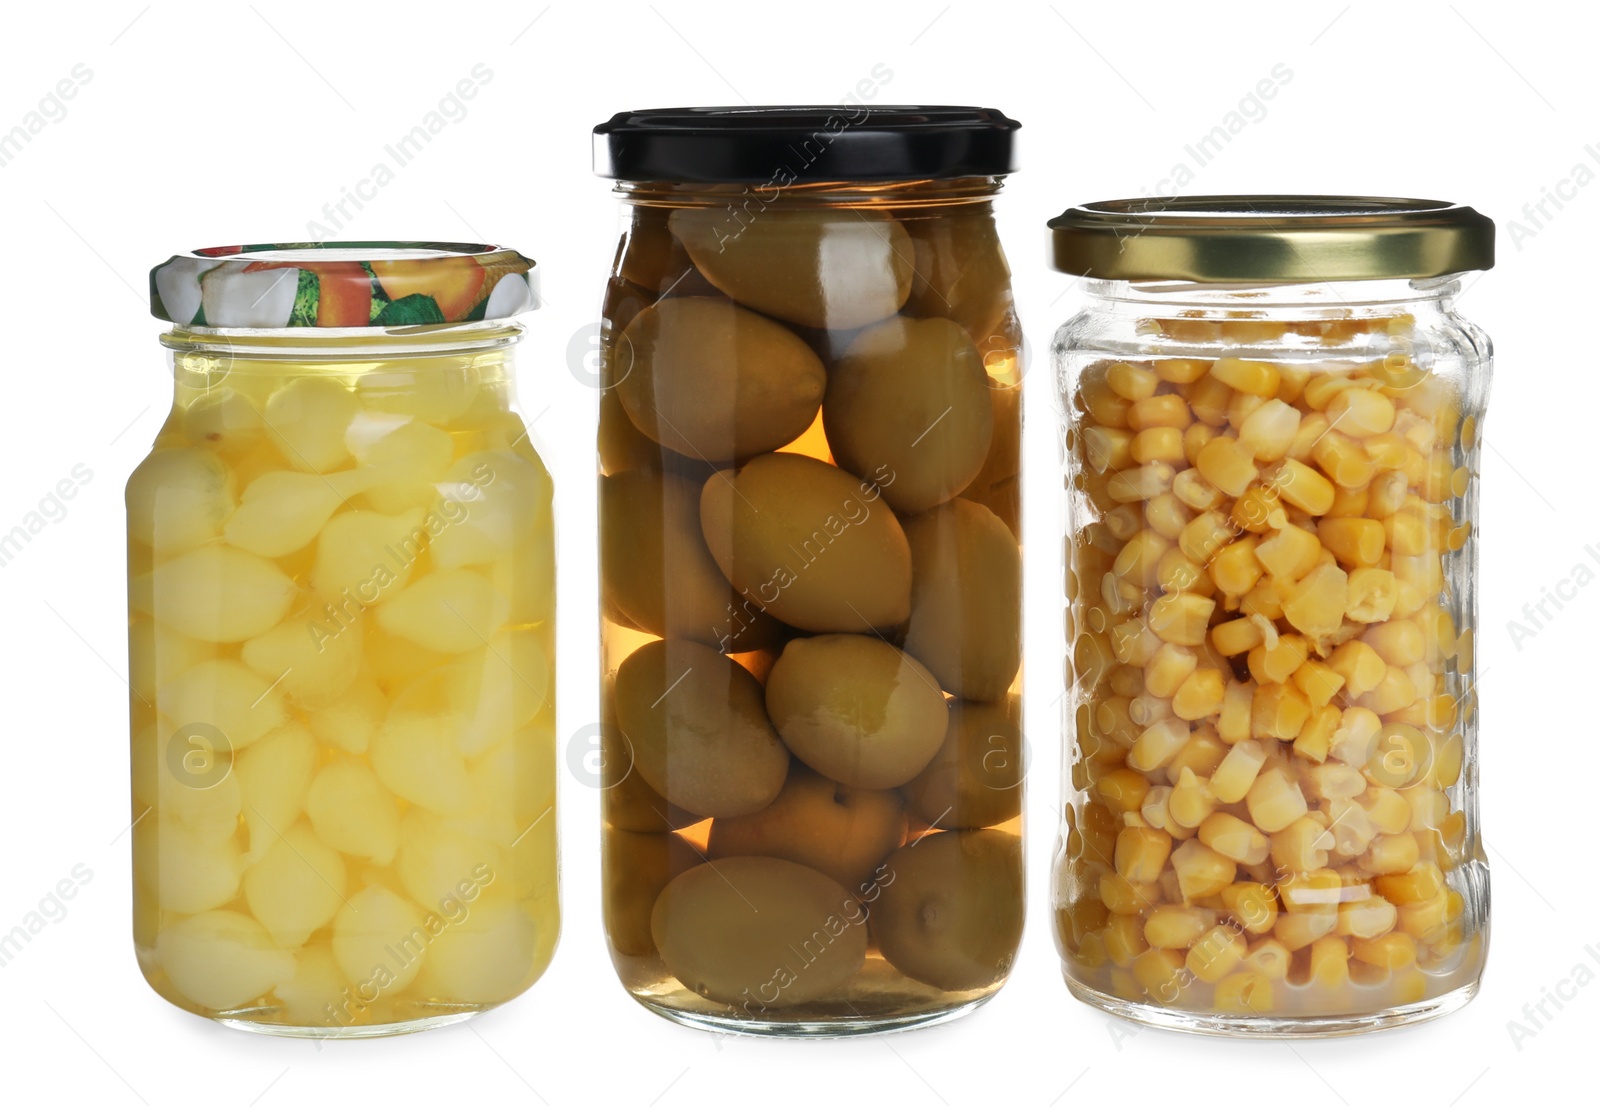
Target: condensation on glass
x,y
810,568
1272,420
341,642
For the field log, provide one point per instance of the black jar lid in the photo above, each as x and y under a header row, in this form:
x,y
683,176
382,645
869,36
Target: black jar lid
x,y
805,143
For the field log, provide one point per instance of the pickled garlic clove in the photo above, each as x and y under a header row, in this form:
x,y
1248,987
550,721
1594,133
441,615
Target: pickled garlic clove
x,y
189,780
318,993
353,812
363,556
416,759
157,653
396,445
225,696
221,960
450,611
490,505
178,499
296,887
313,660
227,421
350,721
487,957
274,775
514,787
217,594
435,859
282,512
378,936
182,872
307,418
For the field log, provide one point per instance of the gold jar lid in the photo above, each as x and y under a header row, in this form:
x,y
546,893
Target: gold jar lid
x,y
1244,238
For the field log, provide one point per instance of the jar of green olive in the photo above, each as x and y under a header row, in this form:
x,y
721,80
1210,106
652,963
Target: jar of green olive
x,y
810,567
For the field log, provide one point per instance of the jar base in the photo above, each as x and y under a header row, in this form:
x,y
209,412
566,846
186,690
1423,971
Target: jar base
x,y
1275,1027
813,1029
243,1022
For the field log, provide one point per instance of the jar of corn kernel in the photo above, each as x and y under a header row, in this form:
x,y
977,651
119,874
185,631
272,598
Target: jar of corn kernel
x,y
810,568
1271,422
340,643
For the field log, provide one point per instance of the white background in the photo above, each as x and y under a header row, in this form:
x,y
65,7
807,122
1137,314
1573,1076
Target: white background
x,y
219,123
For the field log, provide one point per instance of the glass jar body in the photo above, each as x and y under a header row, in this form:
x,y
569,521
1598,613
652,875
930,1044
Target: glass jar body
x,y
810,575
341,589
1271,781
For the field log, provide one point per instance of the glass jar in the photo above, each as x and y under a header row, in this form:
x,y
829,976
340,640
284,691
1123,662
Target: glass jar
x,y
1271,429
809,565
341,622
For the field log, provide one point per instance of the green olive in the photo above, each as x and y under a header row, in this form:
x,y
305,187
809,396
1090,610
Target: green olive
x,y
812,543
909,401
699,732
997,484
966,599
628,802
760,933
649,256
962,274
856,709
656,570
950,909
844,832
975,780
824,268
708,379
634,870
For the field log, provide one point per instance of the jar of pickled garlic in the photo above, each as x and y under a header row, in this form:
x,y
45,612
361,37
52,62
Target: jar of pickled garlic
x,y
810,567
341,621
1271,429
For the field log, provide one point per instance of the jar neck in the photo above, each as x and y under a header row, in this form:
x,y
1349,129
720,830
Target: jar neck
x,y
202,356
782,190
1276,301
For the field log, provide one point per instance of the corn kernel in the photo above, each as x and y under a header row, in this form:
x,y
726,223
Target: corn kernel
x,y
1123,939
1205,534
1102,403
1133,642
1278,711
1276,664
1302,486
1351,829
1216,953
1202,754
1235,839
1361,413
1195,490
1233,778
1199,696
1449,758
1407,533
1140,557
1247,375
1168,410
1091,951
1274,801
1367,919
1126,897
1235,568
1131,382
1252,905
1270,430
1122,790
1166,515
1389,810
1201,871
1360,665
1160,444
1243,993
1181,618
1142,853
1140,484
1160,974
1241,406
1289,553
1157,744
1191,800
1107,449
1300,929
1303,845
1320,684
1323,389
1259,509
1329,965
1177,572
1315,891
1209,400
1181,371
1234,720
1395,691
1263,600
1315,606
1391,854
1177,926
1394,951
1344,461
1355,541
1236,636
1226,465
1269,958
1420,883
